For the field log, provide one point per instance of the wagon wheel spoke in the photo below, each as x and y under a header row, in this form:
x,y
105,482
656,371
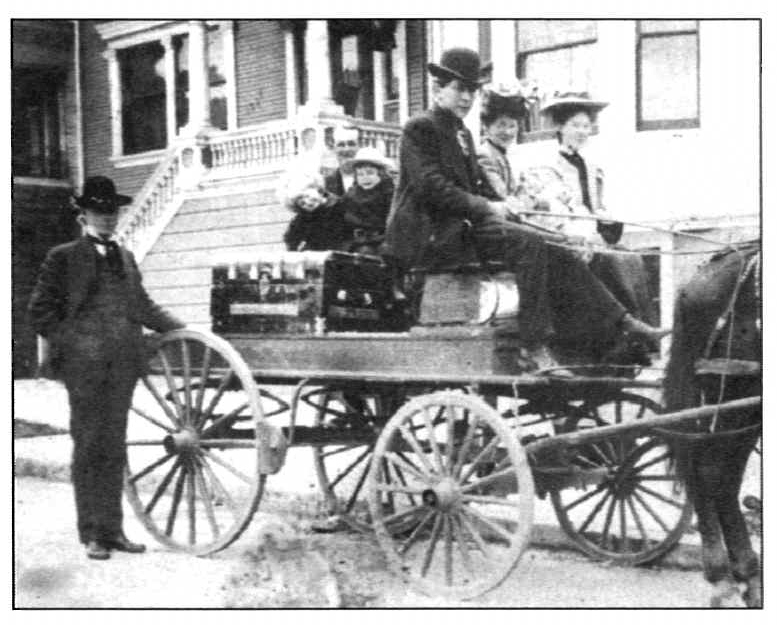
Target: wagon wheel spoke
x,y
429,553
464,449
357,489
339,450
637,520
177,494
204,376
448,549
650,511
396,463
603,540
622,519
387,475
345,472
597,508
493,527
161,401
659,496
411,440
187,383
220,461
651,462
152,420
488,479
479,542
222,387
433,441
162,487
225,418
451,428
462,543
479,458
191,501
207,501
219,486
487,499
149,468
416,533
585,497
172,386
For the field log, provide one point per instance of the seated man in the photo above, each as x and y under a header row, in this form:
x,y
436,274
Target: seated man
x,y
445,211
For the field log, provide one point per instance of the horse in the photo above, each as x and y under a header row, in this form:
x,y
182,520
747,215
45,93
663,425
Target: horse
x,y
716,356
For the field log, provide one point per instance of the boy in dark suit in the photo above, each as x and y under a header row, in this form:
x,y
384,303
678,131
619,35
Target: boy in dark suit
x,y
445,212
90,305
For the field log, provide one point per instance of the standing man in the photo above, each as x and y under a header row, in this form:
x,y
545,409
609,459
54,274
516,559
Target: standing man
x,y
90,305
346,143
445,211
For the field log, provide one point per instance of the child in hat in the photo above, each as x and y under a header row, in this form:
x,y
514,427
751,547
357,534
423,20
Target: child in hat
x,y
367,203
318,223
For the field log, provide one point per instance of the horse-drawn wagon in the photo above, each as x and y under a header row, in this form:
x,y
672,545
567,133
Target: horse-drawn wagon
x,y
426,422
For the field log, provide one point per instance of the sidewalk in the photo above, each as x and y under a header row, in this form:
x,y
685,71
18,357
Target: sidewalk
x,y
48,457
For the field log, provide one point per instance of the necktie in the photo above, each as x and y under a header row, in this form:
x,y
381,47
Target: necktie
x,y
582,173
112,254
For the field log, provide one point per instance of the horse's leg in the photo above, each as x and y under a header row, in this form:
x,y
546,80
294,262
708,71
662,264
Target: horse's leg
x,y
703,485
745,563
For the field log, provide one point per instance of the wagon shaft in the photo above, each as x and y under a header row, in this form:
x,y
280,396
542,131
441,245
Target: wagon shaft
x,y
642,426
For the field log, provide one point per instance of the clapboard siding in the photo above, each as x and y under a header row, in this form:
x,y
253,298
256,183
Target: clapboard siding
x,y
161,279
416,65
248,216
204,232
260,71
221,238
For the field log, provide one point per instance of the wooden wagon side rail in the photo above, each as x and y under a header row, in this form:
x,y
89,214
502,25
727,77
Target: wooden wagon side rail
x,y
642,426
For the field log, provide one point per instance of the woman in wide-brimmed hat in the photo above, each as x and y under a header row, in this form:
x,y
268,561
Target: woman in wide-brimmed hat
x,y
566,180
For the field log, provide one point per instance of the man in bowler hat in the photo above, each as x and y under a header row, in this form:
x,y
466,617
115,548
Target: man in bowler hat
x,y
446,212
90,305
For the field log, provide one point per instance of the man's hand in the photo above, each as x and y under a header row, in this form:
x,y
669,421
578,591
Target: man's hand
x,y
499,209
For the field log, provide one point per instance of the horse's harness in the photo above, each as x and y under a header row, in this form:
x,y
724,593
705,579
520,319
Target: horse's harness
x,y
727,321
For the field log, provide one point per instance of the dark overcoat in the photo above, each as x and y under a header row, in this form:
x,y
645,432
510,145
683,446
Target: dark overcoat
x,y
67,277
439,188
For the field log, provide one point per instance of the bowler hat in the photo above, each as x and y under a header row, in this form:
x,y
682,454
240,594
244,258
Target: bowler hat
x,y
561,102
461,63
370,156
100,195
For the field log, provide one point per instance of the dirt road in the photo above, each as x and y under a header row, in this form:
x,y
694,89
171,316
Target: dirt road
x,y
278,562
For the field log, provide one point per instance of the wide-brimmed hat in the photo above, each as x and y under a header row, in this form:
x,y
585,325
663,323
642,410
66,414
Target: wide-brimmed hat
x,y
502,99
461,63
370,156
561,102
100,195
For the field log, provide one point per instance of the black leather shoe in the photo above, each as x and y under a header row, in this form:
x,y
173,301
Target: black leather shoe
x,y
96,551
122,543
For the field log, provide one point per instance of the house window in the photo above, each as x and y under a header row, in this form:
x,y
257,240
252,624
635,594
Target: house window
x,y
36,124
143,94
667,74
559,56
350,50
144,89
391,65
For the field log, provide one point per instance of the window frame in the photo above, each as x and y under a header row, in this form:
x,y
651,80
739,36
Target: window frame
x,y
544,134
123,34
665,124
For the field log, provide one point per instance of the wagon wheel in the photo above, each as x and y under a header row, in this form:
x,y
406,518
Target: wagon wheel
x,y
462,494
342,468
637,509
193,474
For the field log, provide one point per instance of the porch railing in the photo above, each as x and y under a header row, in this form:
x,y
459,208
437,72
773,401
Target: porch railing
x,y
261,149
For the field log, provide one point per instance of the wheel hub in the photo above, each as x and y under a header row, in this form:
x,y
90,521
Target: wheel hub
x,y
183,440
444,495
